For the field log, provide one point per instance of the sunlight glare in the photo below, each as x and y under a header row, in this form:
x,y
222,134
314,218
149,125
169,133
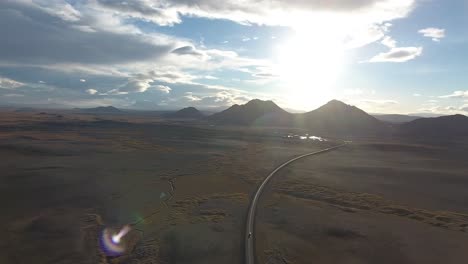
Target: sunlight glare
x,y
309,64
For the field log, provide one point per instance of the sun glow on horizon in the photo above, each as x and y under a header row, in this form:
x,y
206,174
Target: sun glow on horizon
x,y
309,64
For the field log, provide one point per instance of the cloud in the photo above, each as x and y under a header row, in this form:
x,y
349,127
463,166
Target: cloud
x,y
389,42
275,12
435,33
163,88
210,77
222,98
398,54
57,8
456,94
37,36
190,97
82,80
416,94
359,22
91,91
6,83
446,110
135,85
187,50
104,41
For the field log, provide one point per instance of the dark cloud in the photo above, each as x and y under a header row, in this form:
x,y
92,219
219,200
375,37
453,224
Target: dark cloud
x,y
187,50
398,54
30,35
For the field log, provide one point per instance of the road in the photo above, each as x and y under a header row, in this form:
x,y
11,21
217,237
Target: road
x,y
249,230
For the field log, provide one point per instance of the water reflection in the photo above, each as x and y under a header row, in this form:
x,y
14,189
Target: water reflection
x,y
305,137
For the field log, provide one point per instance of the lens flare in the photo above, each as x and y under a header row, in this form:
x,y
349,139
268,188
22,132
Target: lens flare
x,y
111,241
116,238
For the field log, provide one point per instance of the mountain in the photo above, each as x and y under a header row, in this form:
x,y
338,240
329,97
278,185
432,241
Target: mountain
x,y
394,118
101,110
188,112
426,114
443,126
337,117
255,112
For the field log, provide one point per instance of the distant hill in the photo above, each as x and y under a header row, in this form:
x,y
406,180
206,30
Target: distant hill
x,y
394,118
443,126
188,112
101,110
337,117
255,112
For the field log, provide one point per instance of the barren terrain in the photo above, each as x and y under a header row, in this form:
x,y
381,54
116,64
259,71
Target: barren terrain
x,y
187,186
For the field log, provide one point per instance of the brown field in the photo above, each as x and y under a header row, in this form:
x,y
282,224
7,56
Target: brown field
x,y
66,176
368,203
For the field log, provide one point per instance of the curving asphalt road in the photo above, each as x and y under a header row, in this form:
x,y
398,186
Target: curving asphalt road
x,y
249,230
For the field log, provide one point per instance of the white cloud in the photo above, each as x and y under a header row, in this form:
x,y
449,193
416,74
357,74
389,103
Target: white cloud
x,y
222,98
57,8
357,22
190,97
389,42
274,12
136,85
210,77
91,91
6,83
456,94
163,88
82,80
416,94
435,33
398,54
445,110
245,39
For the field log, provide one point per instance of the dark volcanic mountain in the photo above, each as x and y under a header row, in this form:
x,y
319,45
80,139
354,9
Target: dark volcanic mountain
x,y
445,126
102,110
188,112
395,118
339,118
255,112
335,117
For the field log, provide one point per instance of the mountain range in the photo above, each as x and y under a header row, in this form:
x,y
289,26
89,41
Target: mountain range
x,y
100,110
395,118
333,118
186,113
338,118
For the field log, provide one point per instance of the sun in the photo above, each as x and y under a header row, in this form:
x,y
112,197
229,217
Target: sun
x,y
308,65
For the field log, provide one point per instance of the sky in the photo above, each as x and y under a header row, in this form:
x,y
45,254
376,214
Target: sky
x,y
384,56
